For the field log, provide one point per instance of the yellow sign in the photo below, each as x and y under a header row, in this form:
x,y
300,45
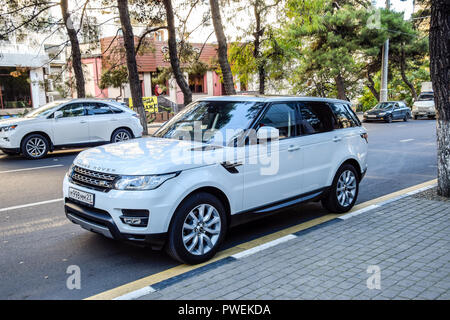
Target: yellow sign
x,y
150,103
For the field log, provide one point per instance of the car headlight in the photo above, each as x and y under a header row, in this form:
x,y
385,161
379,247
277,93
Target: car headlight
x,y
142,182
382,113
8,128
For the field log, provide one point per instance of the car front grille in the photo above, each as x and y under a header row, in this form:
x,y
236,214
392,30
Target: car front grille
x,y
93,179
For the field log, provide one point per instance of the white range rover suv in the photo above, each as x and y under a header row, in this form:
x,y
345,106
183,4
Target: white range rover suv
x,y
68,123
219,162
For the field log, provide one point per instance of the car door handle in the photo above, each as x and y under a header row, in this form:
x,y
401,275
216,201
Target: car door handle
x,y
293,148
114,120
83,121
337,139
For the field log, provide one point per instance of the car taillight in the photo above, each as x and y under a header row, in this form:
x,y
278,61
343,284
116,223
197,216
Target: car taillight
x,y
365,136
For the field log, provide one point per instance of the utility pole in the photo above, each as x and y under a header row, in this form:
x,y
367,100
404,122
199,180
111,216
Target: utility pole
x,y
384,65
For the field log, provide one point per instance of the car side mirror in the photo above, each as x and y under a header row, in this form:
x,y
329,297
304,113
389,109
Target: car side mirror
x,y
58,114
267,133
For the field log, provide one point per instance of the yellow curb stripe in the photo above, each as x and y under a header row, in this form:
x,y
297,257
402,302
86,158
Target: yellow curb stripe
x,y
175,271
393,195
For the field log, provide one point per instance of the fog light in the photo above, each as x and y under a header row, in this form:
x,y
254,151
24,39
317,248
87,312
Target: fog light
x,y
132,221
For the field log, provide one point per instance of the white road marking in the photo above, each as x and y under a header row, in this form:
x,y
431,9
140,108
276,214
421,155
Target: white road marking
x,y
24,228
264,246
136,294
35,168
406,140
30,204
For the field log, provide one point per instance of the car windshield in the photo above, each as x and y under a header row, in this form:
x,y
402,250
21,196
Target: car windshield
x,y
212,122
426,97
43,111
384,105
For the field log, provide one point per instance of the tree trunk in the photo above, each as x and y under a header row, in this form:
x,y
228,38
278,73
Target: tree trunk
x,y
340,87
403,73
257,47
371,87
174,61
223,48
440,76
76,53
133,75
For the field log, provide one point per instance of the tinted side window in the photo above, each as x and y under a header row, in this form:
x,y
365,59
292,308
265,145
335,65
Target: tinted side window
x,y
281,116
353,116
316,117
116,110
97,108
72,110
343,116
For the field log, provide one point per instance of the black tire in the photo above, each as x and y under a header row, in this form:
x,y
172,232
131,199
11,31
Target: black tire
x,y
431,117
416,117
38,140
406,118
121,132
175,246
330,200
389,119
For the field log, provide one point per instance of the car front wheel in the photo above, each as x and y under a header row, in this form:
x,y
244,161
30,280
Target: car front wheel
x,y
35,146
198,229
341,196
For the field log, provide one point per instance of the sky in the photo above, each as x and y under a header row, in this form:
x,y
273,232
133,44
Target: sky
x,y
398,5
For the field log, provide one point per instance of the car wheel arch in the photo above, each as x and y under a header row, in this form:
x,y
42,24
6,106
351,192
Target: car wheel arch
x,y
219,194
352,161
44,134
124,128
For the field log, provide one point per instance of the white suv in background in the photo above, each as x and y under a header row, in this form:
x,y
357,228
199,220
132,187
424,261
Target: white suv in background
x,y
219,162
68,123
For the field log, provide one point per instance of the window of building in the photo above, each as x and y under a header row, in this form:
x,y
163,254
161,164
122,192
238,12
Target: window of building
x,y
197,83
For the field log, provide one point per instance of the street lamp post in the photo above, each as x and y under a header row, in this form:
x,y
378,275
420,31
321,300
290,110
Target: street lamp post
x,y
384,66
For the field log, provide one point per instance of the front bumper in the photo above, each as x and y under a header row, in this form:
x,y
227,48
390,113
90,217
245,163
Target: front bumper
x,y
101,222
8,142
424,113
105,216
374,117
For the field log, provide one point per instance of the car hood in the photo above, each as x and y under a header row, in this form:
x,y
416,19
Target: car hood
x,y
17,120
146,156
424,103
377,111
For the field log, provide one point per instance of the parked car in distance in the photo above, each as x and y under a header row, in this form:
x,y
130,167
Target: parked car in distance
x,y
388,111
424,106
206,169
68,123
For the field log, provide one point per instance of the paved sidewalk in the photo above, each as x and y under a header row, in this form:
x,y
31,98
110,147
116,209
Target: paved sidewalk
x,y
407,239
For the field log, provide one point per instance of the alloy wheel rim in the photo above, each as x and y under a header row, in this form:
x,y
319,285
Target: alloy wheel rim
x,y
346,188
201,229
122,136
36,147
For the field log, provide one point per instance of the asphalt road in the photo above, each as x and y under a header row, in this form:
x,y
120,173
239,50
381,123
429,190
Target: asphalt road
x,y
38,243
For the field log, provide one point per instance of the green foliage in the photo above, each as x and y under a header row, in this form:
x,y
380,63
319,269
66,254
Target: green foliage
x,y
115,78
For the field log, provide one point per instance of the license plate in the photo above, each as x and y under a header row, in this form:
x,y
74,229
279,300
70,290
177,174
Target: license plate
x,y
82,196
371,116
